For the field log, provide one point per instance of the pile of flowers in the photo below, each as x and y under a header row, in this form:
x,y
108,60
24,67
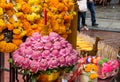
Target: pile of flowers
x,y
44,53
24,17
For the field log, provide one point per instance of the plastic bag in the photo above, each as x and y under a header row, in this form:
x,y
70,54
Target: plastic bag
x,y
82,5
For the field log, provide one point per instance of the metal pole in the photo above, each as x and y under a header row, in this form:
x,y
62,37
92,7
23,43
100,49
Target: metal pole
x,y
12,72
1,67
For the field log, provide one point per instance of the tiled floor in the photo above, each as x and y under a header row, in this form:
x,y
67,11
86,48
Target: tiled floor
x,y
110,38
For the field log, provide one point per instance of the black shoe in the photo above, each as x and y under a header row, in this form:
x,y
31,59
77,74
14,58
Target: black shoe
x,y
95,24
85,25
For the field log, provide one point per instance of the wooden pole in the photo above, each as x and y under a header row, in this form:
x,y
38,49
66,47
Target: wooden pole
x,y
72,38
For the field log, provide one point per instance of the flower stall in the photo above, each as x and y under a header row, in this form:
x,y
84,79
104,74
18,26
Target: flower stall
x,y
40,37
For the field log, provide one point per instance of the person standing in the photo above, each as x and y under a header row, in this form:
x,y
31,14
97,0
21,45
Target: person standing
x,y
82,4
90,5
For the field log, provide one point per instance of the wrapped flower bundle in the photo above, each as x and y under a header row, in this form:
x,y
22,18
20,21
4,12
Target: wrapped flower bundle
x,y
42,53
108,68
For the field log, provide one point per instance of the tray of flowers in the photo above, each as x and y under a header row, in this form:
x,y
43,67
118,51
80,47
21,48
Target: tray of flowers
x,y
45,55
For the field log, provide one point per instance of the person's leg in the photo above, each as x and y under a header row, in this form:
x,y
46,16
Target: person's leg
x,y
83,15
84,26
92,11
79,15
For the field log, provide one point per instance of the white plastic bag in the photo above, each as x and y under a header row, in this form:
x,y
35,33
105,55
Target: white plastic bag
x,y
82,5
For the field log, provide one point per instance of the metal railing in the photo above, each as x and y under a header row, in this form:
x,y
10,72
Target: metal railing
x,y
13,73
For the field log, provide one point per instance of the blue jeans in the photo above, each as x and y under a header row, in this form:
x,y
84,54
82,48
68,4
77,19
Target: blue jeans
x,y
83,16
92,11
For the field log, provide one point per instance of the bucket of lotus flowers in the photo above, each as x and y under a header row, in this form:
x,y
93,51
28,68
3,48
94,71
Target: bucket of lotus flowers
x,y
45,56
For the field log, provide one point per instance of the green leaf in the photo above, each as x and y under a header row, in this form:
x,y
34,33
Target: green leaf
x,y
68,69
54,70
34,78
27,72
48,71
10,60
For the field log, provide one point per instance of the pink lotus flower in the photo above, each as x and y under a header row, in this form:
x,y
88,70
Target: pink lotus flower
x,y
62,61
74,58
54,36
68,60
18,60
45,53
43,64
36,55
53,63
63,43
34,66
27,52
37,46
69,46
62,52
26,63
36,36
57,45
48,46
55,52
45,39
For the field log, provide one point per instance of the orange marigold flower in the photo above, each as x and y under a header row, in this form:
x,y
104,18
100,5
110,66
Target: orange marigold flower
x,y
8,6
26,8
17,41
10,26
26,24
17,36
93,76
16,31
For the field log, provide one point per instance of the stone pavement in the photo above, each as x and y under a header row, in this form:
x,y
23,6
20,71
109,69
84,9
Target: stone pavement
x,y
108,18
